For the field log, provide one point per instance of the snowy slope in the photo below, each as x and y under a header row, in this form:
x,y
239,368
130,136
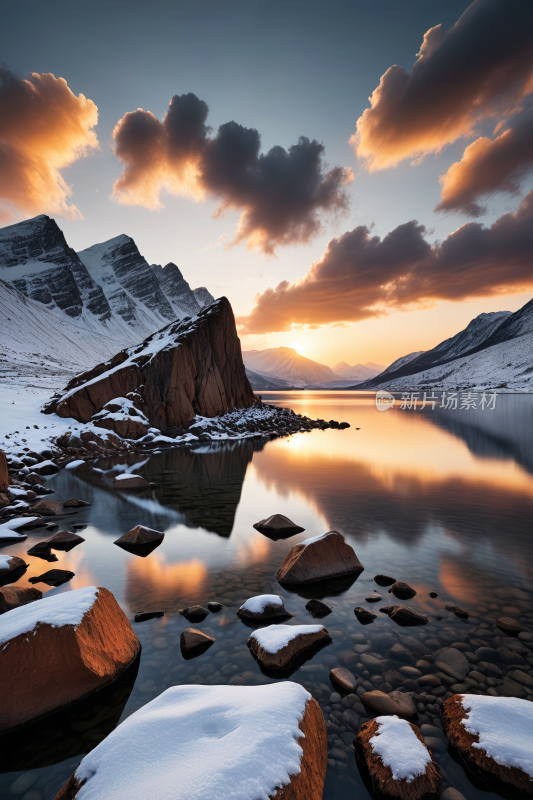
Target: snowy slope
x,y
177,290
359,372
402,362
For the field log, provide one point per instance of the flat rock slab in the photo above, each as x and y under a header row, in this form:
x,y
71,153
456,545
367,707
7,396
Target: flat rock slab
x,y
396,761
60,649
143,616
404,616
140,541
193,643
364,616
54,577
11,569
384,580
398,703
318,609
263,607
65,541
47,508
243,742
281,649
493,735
402,590
75,504
343,680
194,613
318,559
130,482
15,596
278,527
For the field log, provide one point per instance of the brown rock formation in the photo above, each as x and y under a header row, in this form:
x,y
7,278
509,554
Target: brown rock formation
x,y
75,503
65,540
127,428
140,541
54,577
292,655
384,580
343,679
15,596
60,664
193,642
509,625
477,758
131,482
189,367
324,557
270,610
5,480
402,590
278,527
13,569
47,508
404,616
398,703
364,616
423,787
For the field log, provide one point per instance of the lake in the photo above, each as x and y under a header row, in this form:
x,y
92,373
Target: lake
x,y
440,499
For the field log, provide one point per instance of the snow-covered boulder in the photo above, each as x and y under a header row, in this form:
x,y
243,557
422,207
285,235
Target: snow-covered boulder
x,y
262,607
278,527
399,765
140,541
317,559
59,649
129,481
281,649
8,530
15,596
211,743
493,736
11,568
122,416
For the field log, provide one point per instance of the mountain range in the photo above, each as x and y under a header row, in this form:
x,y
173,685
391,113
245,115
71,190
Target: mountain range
x,y
358,372
106,296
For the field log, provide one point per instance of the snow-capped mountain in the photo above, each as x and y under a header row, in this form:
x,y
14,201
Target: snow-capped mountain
x,y
286,363
359,371
203,296
494,351
108,288
402,362
177,290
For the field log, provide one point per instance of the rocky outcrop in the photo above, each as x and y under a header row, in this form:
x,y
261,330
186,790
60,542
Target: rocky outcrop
x,y
4,472
80,641
140,541
396,761
493,736
15,596
319,558
281,649
278,527
188,368
203,296
11,568
177,291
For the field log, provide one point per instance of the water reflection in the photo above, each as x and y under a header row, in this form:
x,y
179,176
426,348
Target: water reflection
x,y
155,584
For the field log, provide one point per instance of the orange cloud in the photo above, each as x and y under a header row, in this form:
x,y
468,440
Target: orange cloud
x,y
479,69
489,166
361,275
44,128
281,194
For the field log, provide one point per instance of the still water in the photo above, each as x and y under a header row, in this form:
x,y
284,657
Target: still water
x,y
442,500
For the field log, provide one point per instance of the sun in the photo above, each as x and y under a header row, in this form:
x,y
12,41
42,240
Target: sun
x,y
300,347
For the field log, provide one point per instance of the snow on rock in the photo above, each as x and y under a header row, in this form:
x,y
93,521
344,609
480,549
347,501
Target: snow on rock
x,y
203,296
495,733
261,607
281,649
211,743
275,637
74,464
57,650
398,763
177,291
399,748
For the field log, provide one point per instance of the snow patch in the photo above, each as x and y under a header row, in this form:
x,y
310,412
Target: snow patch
x,y
275,637
201,743
74,464
256,605
63,609
5,562
399,748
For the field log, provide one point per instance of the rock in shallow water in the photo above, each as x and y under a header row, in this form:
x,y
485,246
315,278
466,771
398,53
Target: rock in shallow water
x,y
194,642
509,625
54,577
261,608
281,649
143,616
384,580
317,559
15,596
398,703
402,590
343,679
140,541
363,616
278,527
194,613
404,616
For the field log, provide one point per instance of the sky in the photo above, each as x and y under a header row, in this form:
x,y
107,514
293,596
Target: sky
x,y
402,214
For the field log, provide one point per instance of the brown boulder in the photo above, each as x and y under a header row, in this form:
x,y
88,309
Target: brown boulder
x,y
193,643
318,609
402,590
5,480
364,616
389,773
11,568
281,649
140,541
508,625
189,367
317,559
194,613
54,577
278,527
15,596
75,504
499,778
81,640
384,580
127,428
399,703
343,679
126,481
40,549
404,616
65,540
262,607
270,711
47,508
4,500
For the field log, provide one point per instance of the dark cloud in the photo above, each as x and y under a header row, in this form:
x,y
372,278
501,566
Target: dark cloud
x,y
281,194
44,127
362,276
478,70
489,166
